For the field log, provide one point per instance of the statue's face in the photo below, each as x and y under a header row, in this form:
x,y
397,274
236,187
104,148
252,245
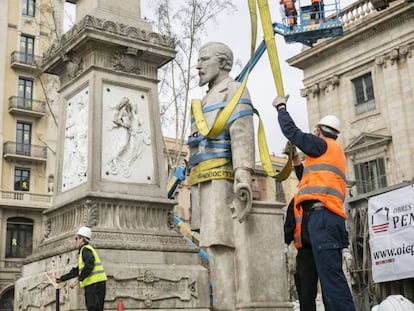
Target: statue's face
x,y
208,66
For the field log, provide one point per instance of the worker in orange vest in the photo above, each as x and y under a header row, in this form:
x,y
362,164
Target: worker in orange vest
x,y
321,193
317,8
290,11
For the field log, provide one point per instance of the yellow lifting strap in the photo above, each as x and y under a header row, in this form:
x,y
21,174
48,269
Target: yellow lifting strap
x,y
223,117
204,170
269,39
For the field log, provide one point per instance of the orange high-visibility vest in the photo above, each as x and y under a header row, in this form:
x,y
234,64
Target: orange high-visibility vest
x,y
297,234
324,179
290,6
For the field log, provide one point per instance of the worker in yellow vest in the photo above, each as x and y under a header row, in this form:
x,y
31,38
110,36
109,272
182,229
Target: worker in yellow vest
x,y
89,273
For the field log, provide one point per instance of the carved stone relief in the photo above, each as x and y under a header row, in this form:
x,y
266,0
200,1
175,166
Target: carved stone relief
x,y
90,214
126,137
39,293
75,154
126,60
74,65
147,287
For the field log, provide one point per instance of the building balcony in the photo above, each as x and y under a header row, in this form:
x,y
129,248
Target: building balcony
x,y
25,199
25,61
26,152
28,107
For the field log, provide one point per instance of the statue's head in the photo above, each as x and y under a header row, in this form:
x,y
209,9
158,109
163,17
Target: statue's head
x,y
215,61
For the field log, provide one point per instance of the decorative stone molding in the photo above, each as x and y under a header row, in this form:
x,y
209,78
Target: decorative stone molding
x,y
406,50
313,90
123,215
380,60
48,228
90,213
74,65
323,85
148,287
395,55
126,60
91,22
40,295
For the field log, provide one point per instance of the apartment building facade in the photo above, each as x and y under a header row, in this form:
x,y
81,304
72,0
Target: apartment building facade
x,y
365,77
27,128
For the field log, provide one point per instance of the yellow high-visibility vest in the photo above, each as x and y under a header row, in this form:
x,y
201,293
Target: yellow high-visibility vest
x,y
98,273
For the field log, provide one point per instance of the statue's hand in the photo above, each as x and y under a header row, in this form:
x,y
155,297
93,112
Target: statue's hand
x,y
242,202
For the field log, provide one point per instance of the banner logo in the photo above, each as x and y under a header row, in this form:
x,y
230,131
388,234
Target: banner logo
x,y
377,217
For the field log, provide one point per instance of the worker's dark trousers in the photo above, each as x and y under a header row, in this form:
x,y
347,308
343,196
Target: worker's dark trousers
x,y
95,296
306,279
328,236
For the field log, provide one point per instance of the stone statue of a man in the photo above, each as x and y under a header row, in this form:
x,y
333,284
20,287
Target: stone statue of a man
x,y
221,171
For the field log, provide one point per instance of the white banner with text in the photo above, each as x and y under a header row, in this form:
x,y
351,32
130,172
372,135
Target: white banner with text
x,y
391,234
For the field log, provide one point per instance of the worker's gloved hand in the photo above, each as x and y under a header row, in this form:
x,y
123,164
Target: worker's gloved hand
x,y
348,258
288,147
280,102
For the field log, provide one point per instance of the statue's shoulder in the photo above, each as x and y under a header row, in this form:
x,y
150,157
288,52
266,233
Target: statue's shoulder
x,y
233,86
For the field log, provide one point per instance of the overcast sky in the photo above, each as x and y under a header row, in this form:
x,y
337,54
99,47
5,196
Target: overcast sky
x,y
234,30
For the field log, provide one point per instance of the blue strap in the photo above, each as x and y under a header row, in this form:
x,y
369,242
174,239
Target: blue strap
x,y
213,144
243,101
196,139
240,114
201,157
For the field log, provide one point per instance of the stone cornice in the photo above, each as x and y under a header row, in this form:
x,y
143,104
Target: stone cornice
x,y
112,28
391,57
396,55
323,85
368,27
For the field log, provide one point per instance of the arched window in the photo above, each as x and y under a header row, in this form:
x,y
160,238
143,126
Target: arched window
x,y
19,238
6,300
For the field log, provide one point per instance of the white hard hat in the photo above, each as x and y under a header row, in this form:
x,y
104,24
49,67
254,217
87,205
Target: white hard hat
x,y
395,303
85,232
332,122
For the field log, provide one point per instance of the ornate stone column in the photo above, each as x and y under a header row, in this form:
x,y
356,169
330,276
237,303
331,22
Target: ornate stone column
x,y
110,173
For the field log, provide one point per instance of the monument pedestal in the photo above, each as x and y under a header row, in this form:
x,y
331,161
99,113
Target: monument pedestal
x,y
148,265
265,268
110,173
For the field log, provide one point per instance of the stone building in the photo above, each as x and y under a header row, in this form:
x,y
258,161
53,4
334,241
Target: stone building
x,y
26,131
365,78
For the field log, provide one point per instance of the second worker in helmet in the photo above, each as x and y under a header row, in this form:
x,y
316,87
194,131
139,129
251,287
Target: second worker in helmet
x,y
321,193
